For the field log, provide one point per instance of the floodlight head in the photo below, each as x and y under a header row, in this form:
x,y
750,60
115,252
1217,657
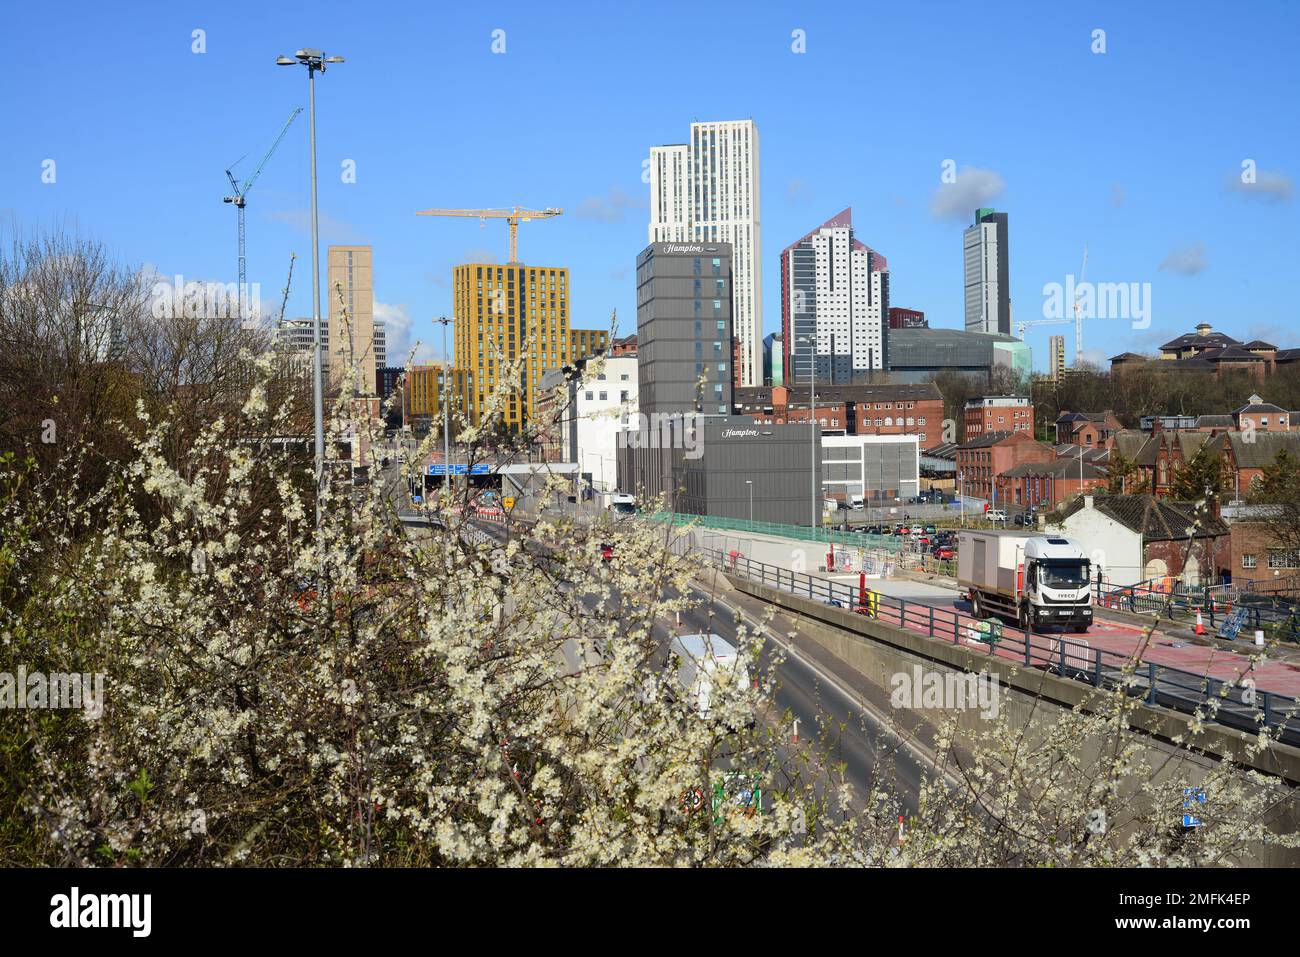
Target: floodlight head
x,y
283,60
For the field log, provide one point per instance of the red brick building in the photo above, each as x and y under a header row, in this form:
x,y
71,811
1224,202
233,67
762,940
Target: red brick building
x,y
1258,556
1044,485
1093,430
858,409
981,460
998,413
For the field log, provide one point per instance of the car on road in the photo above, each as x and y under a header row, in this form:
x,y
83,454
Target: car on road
x,y
995,515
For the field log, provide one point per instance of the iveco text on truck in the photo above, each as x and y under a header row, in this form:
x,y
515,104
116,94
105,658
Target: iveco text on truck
x,y
1030,578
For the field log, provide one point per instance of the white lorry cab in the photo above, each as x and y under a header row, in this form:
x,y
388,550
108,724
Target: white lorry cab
x,y
1030,578
700,664
622,503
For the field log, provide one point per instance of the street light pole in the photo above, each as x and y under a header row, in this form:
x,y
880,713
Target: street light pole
x,y
446,412
314,60
812,422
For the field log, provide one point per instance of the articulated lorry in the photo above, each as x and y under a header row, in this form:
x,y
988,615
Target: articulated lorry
x,y
1028,577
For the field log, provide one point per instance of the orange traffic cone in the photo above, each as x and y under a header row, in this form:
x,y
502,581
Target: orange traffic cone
x,y
1200,625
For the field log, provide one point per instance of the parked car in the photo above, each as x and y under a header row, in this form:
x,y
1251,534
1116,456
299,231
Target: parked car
x,y
931,530
943,552
996,515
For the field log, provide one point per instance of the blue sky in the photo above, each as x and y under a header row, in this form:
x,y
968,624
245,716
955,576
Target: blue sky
x,y
1134,151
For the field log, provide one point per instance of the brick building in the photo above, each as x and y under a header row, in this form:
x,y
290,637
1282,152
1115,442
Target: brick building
x,y
1141,538
1044,485
998,413
858,409
1092,430
981,460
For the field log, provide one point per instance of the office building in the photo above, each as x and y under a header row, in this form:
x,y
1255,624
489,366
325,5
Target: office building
x,y
726,467
988,283
880,469
773,360
585,428
683,328
349,287
883,409
707,191
834,292
1056,357
505,313
917,355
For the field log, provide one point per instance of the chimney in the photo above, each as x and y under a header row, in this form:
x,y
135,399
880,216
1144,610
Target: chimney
x,y
1087,501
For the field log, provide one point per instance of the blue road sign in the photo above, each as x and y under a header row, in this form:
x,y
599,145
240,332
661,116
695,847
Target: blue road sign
x,y
481,469
1190,821
1191,797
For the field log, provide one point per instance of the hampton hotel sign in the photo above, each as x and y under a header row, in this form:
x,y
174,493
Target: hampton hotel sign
x,y
687,249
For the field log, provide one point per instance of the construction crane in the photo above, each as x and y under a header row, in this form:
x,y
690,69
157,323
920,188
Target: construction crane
x,y
1077,319
513,218
240,199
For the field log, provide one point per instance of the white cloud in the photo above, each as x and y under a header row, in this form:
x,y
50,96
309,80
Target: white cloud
x,y
1271,185
973,188
607,210
1187,262
397,330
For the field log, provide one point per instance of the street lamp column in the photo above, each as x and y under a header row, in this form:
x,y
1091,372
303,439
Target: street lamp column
x,y
314,60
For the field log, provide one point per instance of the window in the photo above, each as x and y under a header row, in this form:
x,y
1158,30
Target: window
x,y
588,396
604,396
1283,558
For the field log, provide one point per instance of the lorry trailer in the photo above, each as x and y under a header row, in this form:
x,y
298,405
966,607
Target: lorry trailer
x,y
1027,577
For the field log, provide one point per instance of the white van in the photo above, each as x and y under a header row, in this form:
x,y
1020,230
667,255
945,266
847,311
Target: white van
x,y
996,515
697,662
856,502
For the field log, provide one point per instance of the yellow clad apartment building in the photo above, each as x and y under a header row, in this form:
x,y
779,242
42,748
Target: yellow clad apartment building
x,y
509,312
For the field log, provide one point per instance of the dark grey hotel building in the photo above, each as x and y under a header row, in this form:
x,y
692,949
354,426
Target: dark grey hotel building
x,y
683,328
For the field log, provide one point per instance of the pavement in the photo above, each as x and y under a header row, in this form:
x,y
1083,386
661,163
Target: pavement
x,y
1172,644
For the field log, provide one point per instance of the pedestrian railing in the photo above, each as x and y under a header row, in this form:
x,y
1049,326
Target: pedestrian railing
x,y
1240,705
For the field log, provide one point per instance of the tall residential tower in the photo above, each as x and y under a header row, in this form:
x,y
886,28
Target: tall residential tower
x,y
707,191
834,289
988,281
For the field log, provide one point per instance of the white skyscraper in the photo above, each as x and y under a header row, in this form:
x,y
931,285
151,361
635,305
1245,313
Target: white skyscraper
x,y
836,288
988,283
707,191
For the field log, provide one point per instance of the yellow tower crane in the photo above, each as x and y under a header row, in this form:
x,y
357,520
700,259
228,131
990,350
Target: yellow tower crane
x,y
513,217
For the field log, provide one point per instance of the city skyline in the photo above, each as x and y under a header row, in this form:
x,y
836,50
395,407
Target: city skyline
x,y
1144,216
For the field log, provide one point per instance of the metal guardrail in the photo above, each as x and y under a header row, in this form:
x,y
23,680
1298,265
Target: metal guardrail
x,y
1269,613
804,533
1242,707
